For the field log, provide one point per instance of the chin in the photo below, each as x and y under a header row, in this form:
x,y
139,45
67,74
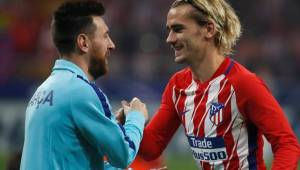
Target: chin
x,y
98,68
96,73
180,59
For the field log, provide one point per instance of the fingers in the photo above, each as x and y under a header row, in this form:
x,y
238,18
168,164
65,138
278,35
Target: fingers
x,y
125,103
120,116
135,105
136,102
120,110
135,99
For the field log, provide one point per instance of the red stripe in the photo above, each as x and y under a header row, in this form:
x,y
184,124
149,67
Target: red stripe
x,y
180,106
199,113
181,100
227,116
206,166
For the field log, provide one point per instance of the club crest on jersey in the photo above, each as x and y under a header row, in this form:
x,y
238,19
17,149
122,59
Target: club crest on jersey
x,y
215,113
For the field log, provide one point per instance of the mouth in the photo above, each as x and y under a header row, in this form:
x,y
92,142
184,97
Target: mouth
x,y
107,54
177,47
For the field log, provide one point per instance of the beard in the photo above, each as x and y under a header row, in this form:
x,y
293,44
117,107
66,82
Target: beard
x,y
97,66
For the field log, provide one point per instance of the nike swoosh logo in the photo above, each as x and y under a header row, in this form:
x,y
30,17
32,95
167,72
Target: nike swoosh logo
x,y
184,112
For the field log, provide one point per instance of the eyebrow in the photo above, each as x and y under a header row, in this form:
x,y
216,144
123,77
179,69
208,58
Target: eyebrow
x,y
174,26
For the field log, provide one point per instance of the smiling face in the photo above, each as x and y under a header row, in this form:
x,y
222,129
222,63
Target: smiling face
x,y
101,45
186,37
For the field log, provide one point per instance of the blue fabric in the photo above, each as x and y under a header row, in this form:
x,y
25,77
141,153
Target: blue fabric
x,y
229,67
131,144
68,126
252,147
102,100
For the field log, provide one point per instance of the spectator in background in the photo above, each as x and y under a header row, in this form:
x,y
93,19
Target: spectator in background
x,y
224,108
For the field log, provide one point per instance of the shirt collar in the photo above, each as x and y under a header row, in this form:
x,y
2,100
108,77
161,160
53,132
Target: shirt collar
x,y
62,64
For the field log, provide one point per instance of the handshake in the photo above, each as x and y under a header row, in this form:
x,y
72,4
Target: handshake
x,y
135,105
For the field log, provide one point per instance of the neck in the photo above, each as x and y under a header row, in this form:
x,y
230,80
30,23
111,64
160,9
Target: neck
x,y
205,68
80,62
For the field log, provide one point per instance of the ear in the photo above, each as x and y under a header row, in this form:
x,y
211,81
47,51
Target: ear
x,y
210,30
83,42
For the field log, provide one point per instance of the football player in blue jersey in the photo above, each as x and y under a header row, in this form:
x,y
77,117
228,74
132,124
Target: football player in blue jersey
x,y
69,124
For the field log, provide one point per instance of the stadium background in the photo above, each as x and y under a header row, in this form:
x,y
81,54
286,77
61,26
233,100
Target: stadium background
x,y
142,63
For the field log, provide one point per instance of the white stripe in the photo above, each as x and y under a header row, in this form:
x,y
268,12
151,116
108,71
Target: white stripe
x,y
223,86
189,106
176,104
174,96
209,129
239,133
233,114
221,115
204,116
218,165
195,110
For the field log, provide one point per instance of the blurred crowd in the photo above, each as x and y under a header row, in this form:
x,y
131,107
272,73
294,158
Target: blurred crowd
x,y
142,62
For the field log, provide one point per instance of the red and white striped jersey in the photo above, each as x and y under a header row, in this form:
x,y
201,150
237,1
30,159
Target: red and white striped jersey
x,y
224,119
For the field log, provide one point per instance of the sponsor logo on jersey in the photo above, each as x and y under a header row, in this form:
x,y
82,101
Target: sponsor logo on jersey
x,y
208,149
40,98
215,113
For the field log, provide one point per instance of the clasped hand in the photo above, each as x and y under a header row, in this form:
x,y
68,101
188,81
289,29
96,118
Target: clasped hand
x,y
135,105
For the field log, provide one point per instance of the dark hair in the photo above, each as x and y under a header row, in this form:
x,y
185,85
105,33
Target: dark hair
x,y
71,19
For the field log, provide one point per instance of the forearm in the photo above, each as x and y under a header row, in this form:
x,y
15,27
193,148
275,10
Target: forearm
x,y
152,145
134,127
123,153
158,134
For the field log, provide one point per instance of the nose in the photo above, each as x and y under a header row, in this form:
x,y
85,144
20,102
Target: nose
x,y
111,44
171,39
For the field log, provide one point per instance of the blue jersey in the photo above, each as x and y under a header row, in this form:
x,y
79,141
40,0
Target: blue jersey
x,y
69,125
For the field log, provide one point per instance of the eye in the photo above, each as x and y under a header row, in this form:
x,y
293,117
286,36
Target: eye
x,y
106,35
178,28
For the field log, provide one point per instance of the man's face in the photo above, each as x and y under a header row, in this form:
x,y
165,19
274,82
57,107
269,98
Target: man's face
x,y
186,37
101,45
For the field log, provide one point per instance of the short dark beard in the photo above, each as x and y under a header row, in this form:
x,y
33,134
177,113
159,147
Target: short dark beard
x,y
97,68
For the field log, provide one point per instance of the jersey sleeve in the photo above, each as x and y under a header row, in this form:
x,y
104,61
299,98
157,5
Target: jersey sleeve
x,y
261,108
98,126
161,128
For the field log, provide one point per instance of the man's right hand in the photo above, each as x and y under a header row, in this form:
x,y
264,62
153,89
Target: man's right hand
x,y
135,105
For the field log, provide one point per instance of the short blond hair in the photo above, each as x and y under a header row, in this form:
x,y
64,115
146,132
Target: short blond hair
x,y
219,12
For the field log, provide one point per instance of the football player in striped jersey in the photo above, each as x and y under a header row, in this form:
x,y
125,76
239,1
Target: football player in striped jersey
x,y
224,108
